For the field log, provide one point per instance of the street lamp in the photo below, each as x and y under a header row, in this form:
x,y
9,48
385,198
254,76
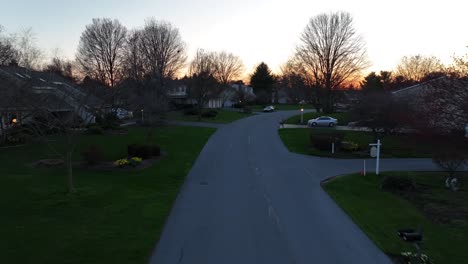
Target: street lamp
x,y
302,115
142,116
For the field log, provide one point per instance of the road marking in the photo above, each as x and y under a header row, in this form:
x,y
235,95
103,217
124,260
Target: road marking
x,y
308,172
248,139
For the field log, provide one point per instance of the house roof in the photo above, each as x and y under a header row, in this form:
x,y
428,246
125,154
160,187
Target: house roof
x,y
415,88
41,81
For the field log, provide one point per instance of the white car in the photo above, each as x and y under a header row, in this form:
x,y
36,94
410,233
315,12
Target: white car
x,y
269,109
323,121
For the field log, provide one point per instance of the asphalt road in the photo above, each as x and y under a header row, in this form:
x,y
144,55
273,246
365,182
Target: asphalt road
x,y
249,200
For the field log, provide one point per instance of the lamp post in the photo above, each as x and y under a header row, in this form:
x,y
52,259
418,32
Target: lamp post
x,y
302,115
142,116
375,153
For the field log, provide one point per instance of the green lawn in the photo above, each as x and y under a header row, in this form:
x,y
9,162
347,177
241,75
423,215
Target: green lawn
x,y
223,117
343,118
401,146
116,217
283,107
380,213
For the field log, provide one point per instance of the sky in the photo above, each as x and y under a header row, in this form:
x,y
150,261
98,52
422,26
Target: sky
x,y
255,30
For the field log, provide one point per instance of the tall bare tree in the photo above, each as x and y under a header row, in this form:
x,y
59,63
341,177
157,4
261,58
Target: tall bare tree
x,y
100,51
163,49
415,68
332,52
133,57
228,67
8,52
29,54
203,85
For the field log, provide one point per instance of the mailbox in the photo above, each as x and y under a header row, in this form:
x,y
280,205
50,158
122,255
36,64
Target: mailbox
x,y
410,235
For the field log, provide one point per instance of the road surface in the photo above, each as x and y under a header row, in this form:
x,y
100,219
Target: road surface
x,y
248,199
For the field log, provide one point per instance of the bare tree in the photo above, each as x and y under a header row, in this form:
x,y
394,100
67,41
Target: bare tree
x,y
203,85
133,57
163,49
100,51
8,52
29,54
332,53
415,68
459,67
228,67
60,65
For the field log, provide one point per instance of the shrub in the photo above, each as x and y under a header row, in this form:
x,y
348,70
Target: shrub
x,y
121,163
95,130
155,150
397,184
139,150
247,109
135,161
191,111
324,141
108,121
92,155
349,146
411,257
210,114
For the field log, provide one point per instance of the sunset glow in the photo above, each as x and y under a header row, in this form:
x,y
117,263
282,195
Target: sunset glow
x,y
255,30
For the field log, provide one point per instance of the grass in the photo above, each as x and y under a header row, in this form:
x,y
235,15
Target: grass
x,y
379,214
343,118
223,117
283,107
398,146
116,217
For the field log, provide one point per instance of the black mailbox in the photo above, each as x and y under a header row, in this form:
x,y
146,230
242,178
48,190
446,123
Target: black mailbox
x,y
412,237
401,232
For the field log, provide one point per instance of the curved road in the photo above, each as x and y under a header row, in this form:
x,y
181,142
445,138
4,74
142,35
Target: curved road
x,y
248,199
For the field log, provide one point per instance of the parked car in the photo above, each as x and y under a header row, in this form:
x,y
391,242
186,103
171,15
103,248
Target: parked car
x,y
269,109
122,113
323,121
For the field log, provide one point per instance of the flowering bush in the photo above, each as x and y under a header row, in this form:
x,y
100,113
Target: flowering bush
x,y
349,146
135,161
411,257
121,162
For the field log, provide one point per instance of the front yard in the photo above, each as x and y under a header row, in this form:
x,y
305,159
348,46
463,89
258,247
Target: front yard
x,y
115,217
394,146
441,213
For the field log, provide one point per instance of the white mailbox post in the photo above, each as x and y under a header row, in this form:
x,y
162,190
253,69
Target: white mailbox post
x,y
375,153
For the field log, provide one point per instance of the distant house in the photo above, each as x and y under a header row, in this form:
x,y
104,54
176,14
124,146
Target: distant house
x,y
178,93
44,90
230,95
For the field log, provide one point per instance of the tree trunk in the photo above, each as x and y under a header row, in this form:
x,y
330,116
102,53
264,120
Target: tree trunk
x,y
70,184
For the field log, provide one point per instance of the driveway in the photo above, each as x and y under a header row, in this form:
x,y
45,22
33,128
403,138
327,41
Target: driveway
x,y
248,199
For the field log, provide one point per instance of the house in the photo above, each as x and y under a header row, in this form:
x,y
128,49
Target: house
x,y
25,91
444,101
235,93
178,94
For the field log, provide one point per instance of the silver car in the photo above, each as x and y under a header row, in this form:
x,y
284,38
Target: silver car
x,y
323,121
269,109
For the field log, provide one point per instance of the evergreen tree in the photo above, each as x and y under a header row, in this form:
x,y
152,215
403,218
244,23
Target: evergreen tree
x,y
262,82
